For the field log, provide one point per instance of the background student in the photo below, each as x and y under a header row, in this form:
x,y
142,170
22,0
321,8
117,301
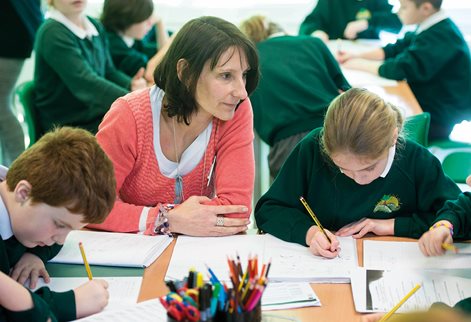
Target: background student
x,y
434,60
44,195
453,221
300,79
358,175
135,35
24,18
75,79
350,19
188,140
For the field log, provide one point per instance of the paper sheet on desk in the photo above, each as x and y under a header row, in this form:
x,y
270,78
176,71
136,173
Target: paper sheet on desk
x,y
381,290
358,78
112,249
148,311
290,262
124,291
388,255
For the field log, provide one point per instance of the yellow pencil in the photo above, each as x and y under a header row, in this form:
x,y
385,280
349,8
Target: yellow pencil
x,y
318,223
398,305
451,247
85,262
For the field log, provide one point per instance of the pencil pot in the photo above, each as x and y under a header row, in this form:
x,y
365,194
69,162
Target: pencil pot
x,y
253,316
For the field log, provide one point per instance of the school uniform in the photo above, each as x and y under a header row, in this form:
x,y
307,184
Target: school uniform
x,y
75,79
458,212
412,189
300,78
129,54
47,304
332,17
435,61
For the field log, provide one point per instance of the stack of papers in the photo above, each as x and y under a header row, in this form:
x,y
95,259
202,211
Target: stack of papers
x,y
112,249
282,296
290,262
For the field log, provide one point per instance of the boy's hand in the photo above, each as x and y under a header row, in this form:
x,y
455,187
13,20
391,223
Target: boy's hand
x,y
322,35
319,245
138,81
91,297
29,266
354,28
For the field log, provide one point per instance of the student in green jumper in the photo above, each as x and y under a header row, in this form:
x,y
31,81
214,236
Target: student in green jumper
x,y
63,182
453,221
359,176
75,79
300,79
350,19
135,34
434,60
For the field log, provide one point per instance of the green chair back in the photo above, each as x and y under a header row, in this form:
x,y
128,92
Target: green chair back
x,y
25,92
416,128
457,165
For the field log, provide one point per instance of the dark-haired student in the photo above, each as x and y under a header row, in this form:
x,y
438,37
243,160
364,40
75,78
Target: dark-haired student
x,y
135,34
434,60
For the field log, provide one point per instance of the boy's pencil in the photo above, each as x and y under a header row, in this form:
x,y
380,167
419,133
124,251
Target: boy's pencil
x,y
451,247
398,305
85,262
318,223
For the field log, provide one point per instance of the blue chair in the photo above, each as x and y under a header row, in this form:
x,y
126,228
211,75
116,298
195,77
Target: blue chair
x,y
416,128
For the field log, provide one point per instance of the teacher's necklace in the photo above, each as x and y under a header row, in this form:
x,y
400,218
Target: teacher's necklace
x,y
178,177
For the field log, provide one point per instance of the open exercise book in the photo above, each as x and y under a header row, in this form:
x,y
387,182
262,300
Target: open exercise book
x,y
112,249
290,262
123,291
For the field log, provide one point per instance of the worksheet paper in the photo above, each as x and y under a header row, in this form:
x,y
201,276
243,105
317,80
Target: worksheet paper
x,y
389,255
112,249
290,262
282,296
148,311
381,290
124,291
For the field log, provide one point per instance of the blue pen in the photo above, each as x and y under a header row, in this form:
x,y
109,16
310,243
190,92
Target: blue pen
x,y
213,278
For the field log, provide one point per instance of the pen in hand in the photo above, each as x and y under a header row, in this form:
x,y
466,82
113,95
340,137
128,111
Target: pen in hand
x,y
318,223
85,262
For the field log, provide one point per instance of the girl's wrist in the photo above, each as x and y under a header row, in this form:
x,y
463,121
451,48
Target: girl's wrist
x,y
443,223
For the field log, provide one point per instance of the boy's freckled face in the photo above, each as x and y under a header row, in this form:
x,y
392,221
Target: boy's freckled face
x,y
43,225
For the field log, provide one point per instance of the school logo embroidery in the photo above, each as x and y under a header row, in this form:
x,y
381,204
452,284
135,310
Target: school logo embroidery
x,y
363,13
387,204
